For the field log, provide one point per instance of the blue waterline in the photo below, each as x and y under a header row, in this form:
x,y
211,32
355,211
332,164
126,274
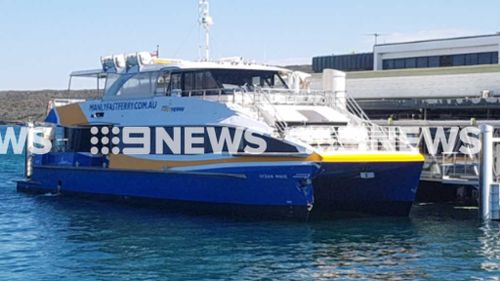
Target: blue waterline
x,y
61,238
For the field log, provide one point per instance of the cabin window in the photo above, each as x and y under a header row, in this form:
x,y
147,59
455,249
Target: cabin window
x,y
162,84
139,85
278,82
189,82
200,83
234,79
175,84
131,85
111,83
209,81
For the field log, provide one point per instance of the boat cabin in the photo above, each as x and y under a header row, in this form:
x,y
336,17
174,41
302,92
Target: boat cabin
x,y
180,78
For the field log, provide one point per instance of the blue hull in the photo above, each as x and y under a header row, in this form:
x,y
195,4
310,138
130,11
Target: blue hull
x,y
267,192
277,191
384,188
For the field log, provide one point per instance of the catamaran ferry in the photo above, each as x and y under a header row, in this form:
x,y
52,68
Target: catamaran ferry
x,y
225,137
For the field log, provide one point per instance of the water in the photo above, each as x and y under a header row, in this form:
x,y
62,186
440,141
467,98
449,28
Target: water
x,y
60,238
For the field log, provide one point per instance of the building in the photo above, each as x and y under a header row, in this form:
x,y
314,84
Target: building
x,y
471,50
350,62
445,93
441,79
446,52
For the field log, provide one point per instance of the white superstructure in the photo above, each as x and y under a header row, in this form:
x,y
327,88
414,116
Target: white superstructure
x,y
269,99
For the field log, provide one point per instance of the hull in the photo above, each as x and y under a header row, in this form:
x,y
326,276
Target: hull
x,y
379,188
261,191
249,189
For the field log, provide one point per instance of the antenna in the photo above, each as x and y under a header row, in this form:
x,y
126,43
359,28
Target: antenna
x,y
205,22
375,37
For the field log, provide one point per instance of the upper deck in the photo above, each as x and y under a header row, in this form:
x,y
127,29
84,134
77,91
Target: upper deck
x,y
141,76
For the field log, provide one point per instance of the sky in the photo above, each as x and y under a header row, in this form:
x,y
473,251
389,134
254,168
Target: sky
x,y
42,41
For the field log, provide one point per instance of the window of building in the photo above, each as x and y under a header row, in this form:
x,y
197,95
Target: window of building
x,y
433,61
471,59
442,61
422,62
445,61
484,58
399,63
458,60
411,63
388,64
494,58
330,62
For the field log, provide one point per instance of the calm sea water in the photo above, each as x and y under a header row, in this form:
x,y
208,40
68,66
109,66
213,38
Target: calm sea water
x,y
61,238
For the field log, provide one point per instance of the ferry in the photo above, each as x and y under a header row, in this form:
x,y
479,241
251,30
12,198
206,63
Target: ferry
x,y
227,136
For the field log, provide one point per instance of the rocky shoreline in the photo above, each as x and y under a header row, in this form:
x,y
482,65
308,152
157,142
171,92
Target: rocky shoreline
x,y
19,107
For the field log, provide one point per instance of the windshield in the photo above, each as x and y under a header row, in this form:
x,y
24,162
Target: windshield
x,y
111,82
131,85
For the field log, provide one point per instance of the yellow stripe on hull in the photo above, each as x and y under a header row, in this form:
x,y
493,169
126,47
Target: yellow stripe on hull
x,y
121,161
368,157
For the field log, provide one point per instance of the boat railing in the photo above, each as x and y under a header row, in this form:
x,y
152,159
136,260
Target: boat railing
x,y
390,139
263,102
281,124
350,138
243,97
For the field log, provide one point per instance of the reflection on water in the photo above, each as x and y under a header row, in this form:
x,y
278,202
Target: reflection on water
x,y
55,237
490,247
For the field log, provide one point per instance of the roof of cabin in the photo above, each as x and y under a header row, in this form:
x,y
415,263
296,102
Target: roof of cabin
x,y
186,65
